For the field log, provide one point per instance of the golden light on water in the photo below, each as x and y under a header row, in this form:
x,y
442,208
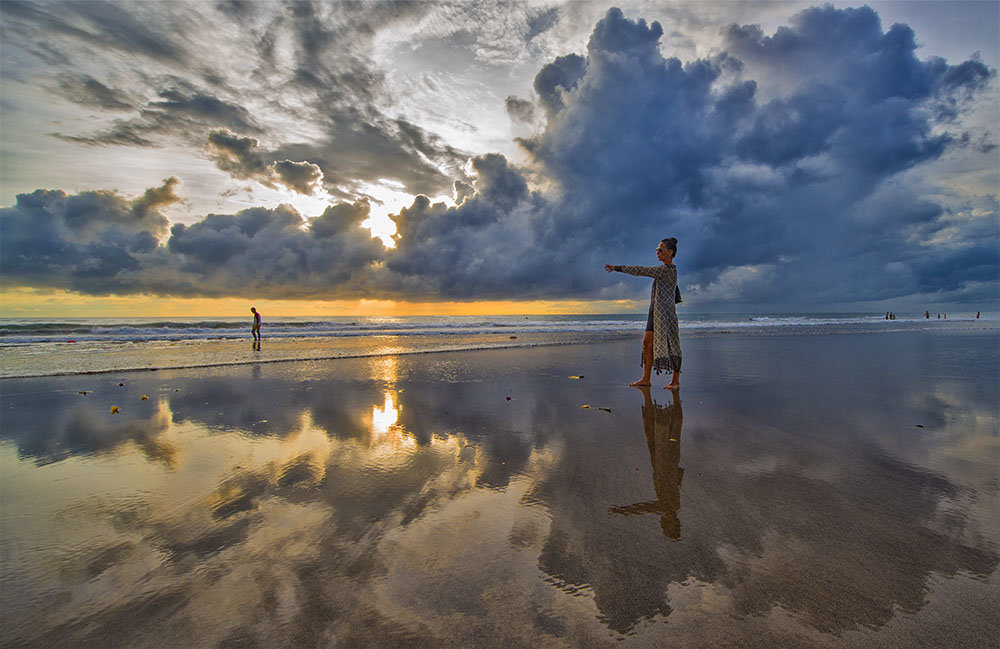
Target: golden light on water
x,y
387,437
384,368
390,444
384,418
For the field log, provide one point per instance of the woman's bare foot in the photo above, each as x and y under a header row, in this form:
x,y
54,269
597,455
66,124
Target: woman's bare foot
x,y
672,386
640,383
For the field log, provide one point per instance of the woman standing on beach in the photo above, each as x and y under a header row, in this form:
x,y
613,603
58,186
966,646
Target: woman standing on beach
x,y
661,345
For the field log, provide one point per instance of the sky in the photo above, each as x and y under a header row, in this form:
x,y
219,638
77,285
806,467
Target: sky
x,y
189,158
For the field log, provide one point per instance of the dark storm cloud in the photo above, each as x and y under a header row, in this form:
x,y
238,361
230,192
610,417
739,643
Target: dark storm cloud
x,y
558,78
788,199
303,177
82,241
785,166
360,148
485,248
239,157
273,253
236,155
103,243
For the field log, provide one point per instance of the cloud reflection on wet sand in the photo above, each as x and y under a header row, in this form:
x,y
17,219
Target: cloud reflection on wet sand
x,y
406,502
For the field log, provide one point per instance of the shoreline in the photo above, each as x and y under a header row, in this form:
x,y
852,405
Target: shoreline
x,y
235,353
306,359
89,358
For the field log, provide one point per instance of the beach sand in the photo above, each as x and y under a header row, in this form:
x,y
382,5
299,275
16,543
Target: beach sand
x,y
803,491
94,357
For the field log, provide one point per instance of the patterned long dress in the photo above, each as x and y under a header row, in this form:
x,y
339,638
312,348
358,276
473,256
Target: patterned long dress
x,y
666,332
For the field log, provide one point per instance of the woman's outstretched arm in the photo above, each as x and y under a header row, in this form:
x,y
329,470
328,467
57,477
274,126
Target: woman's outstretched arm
x,y
659,272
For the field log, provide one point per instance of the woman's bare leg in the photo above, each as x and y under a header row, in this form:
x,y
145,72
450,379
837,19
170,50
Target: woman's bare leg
x,y
647,360
675,382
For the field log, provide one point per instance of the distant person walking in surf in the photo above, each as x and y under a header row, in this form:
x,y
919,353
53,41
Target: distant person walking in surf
x,y
661,344
256,324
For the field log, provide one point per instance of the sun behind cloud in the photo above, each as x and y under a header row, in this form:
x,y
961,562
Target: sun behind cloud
x,y
388,197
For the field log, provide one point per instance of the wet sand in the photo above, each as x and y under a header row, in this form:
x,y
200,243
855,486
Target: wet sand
x,y
803,491
98,357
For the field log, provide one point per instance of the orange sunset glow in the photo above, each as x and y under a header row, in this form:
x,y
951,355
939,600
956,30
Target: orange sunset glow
x,y
40,303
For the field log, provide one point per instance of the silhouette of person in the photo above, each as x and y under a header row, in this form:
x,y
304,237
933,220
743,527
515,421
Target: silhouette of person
x,y
927,315
662,427
256,324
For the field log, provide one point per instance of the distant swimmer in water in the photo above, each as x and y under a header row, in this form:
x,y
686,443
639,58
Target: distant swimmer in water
x,y
256,324
661,344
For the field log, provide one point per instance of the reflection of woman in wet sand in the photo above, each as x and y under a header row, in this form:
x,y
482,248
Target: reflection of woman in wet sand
x,y
661,344
662,426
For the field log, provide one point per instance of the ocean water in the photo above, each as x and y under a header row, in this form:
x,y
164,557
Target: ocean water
x,y
25,331
43,347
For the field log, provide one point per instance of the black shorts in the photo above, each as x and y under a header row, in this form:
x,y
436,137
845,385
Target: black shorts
x,y
649,320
